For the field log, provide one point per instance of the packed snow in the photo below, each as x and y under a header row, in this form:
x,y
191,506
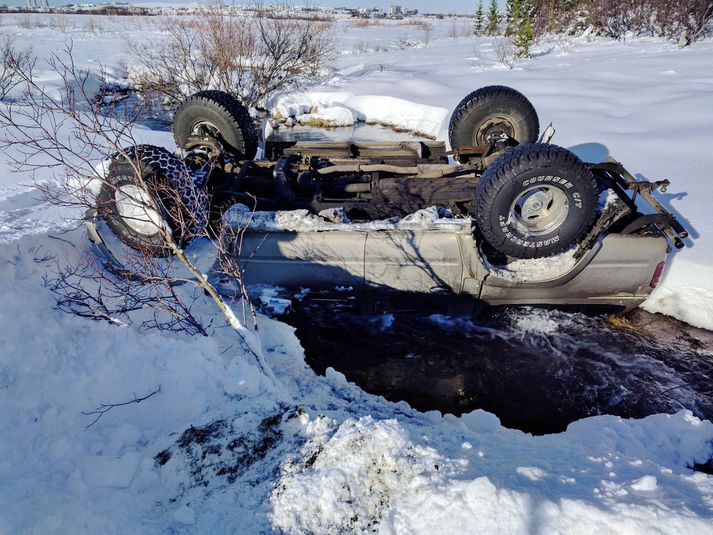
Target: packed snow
x,y
432,218
217,447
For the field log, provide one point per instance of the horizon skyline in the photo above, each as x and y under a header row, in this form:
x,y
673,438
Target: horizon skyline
x,y
428,6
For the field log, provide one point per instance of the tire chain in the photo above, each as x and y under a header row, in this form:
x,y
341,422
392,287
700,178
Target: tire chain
x,y
189,184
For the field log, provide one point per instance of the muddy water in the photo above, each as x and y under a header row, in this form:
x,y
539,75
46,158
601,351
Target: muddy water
x,y
537,370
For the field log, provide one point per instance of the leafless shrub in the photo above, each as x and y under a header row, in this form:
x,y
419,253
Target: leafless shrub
x,y
361,23
248,57
361,47
505,52
63,140
59,22
477,59
406,42
103,408
12,59
28,22
421,24
459,29
85,288
687,21
93,25
427,32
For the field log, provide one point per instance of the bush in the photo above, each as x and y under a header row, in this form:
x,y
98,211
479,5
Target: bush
x,y
684,21
660,18
12,62
248,57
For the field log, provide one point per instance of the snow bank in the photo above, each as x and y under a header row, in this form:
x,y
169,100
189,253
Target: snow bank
x,y
343,109
366,475
686,294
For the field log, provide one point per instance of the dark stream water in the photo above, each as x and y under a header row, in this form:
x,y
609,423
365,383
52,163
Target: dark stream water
x,y
537,370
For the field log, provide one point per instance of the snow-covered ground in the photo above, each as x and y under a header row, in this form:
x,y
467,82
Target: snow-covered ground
x,y
220,449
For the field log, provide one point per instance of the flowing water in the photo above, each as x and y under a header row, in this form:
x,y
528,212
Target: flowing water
x,y
536,369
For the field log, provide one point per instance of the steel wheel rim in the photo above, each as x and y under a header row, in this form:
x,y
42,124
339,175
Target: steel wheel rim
x,y
539,210
137,209
205,129
494,126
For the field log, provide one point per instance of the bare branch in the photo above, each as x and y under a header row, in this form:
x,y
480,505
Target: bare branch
x,y
249,57
103,408
57,139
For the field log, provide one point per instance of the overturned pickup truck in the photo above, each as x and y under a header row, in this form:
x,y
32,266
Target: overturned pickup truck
x,y
522,221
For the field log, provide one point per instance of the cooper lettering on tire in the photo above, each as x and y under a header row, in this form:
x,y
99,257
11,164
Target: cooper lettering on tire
x,y
536,200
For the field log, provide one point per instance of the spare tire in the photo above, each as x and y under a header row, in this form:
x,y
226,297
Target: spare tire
x,y
166,197
219,115
493,110
536,200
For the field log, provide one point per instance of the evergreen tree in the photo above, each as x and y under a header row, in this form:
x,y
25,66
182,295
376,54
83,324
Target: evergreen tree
x,y
493,25
523,38
513,16
479,26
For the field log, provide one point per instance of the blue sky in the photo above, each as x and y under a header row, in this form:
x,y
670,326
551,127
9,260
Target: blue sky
x,y
442,6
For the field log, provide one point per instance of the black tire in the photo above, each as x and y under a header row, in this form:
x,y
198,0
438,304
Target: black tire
x,y
492,110
221,115
535,201
160,171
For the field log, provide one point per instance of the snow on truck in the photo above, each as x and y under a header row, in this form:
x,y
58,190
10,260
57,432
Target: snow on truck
x,y
520,221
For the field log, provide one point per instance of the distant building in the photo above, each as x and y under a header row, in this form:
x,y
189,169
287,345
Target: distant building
x,y
32,4
396,10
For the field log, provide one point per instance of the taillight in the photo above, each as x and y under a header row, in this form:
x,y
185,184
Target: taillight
x,y
657,274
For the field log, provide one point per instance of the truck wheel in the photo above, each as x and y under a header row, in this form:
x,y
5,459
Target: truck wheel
x,y
493,110
165,198
219,115
535,201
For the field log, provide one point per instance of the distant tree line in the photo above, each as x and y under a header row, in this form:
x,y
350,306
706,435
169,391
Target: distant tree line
x,y
682,20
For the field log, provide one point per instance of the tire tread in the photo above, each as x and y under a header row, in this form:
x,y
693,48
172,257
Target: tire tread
x,y
491,93
515,161
232,109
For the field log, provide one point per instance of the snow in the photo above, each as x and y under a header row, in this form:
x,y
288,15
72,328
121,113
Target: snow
x,y
343,109
432,218
220,448
644,484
